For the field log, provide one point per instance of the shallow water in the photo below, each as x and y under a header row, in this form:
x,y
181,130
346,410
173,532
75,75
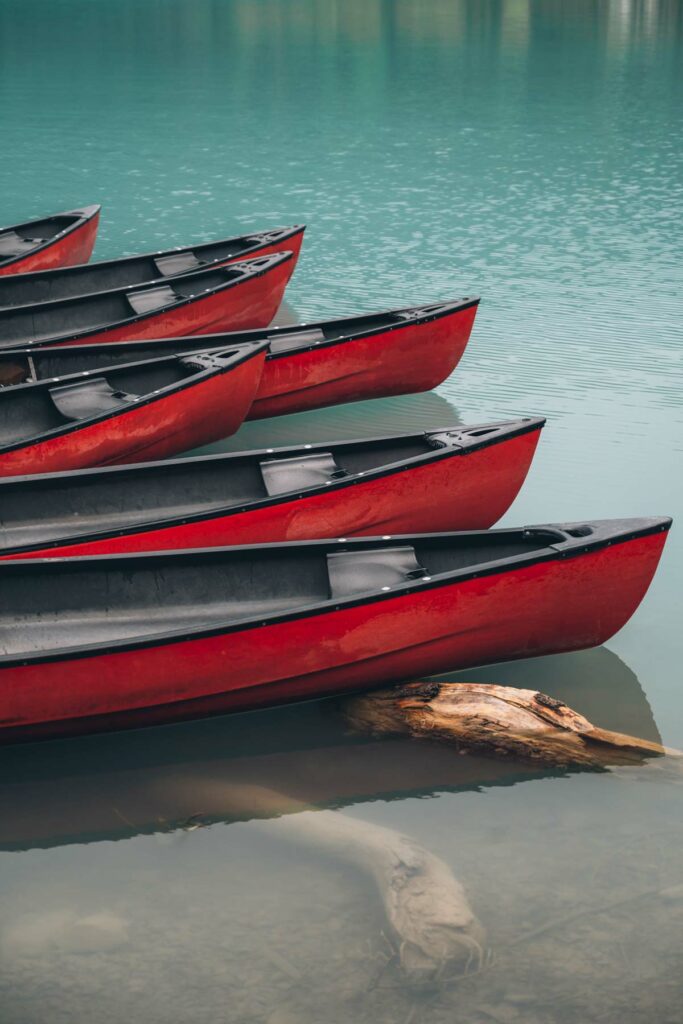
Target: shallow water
x,y
528,151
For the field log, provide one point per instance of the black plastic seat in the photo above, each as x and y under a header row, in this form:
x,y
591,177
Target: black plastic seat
x,y
153,298
176,263
299,473
12,244
88,398
356,572
296,339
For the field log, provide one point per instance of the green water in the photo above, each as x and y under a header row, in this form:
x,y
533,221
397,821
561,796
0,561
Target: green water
x,y
530,151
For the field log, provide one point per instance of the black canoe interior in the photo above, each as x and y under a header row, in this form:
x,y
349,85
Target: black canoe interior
x,y
28,412
69,282
62,605
22,239
26,325
44,510
55,362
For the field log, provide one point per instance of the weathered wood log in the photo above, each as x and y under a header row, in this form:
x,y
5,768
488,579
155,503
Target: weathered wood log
x,y
501,721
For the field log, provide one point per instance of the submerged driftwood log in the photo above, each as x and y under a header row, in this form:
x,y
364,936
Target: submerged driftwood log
x,y
432,928
501,721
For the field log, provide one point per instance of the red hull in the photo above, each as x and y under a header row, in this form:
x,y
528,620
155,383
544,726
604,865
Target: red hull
x,y
463,492
542,608
252,303
212,408
74,247
401,361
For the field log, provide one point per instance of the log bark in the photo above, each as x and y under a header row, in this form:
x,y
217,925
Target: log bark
x,y
501,721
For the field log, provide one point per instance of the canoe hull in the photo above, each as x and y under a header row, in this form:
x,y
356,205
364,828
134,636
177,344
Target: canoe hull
x,y
212,408
253,303
399,361
543,608
461,492
74,247
139,271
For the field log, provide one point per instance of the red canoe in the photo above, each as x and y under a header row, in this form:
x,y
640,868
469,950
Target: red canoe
x,y
137,411
100,642
456,479
241,294
57,241
135,271
376,355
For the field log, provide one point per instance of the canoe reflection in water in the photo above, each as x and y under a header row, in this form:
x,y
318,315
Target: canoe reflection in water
x,y
283,763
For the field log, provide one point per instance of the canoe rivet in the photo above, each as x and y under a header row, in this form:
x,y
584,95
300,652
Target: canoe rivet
x,y
386,588
426,579
308,446
269,449
387,536
342,540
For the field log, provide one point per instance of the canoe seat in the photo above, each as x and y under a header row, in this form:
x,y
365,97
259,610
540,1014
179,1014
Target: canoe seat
x,y
354,572
176,263
153,298
297,339
12,244
300,473
88,398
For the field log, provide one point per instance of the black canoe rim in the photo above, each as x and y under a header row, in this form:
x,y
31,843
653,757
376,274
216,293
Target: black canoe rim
x,y
567,545
80,217
250,273
516,428
281,235
424,314
235,356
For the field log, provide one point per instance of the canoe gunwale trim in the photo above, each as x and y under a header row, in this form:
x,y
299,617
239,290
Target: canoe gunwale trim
x,y
573,546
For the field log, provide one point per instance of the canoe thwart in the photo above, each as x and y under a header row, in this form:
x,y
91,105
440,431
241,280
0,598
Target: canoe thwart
x,y
300,473
354,572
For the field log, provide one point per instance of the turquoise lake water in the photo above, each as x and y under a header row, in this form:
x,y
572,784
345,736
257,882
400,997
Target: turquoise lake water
x,y
530,151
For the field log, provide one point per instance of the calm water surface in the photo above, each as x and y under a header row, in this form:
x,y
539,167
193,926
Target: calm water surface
x,y
527,150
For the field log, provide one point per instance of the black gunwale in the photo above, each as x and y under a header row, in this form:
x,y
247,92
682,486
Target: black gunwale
x,y
283,234
273,260
516,428
436,311
81,216
572,547
241,354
